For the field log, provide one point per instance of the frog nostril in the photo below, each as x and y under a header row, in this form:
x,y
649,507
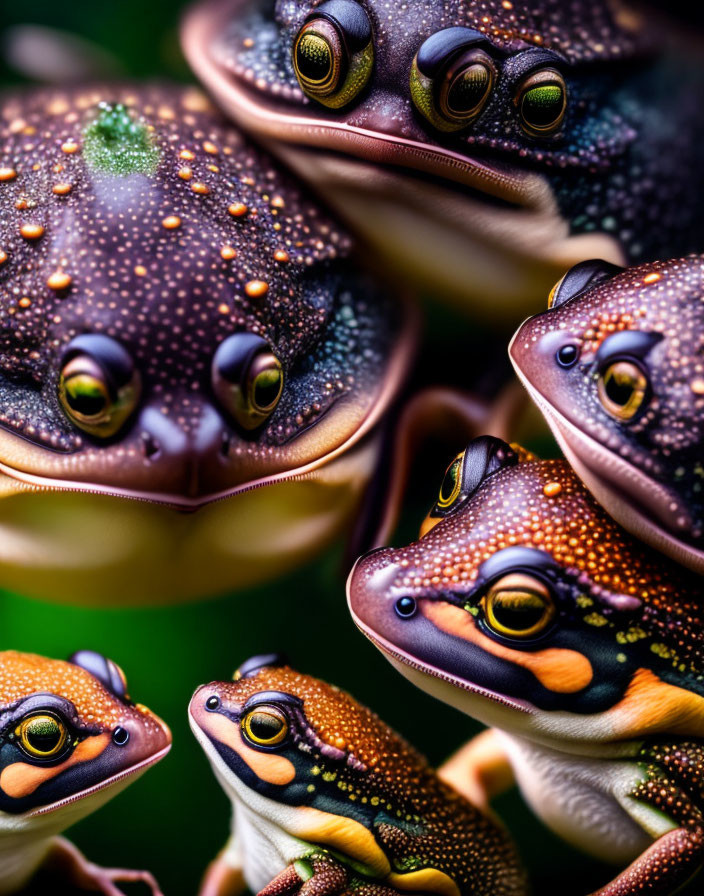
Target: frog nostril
x,y
212,703
150,446
406,607
567,355
226,444
120,736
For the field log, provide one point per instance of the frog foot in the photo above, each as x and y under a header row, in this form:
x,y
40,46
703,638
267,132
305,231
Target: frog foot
x,y
68,862
322,876
674,785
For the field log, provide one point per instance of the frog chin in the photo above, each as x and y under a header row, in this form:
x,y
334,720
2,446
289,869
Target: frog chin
x,y
462,226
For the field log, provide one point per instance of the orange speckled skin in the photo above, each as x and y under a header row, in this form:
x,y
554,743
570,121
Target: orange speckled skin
x,y
619,604
92,712
374,777
657,452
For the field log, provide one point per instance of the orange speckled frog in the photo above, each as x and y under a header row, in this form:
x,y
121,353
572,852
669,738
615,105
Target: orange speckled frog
x,y
328,800
524,605
70,740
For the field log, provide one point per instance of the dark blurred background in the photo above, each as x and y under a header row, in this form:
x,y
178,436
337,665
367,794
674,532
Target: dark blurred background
x,y
175,818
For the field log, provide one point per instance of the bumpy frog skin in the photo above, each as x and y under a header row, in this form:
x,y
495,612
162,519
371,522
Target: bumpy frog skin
x,y
324,792
70,740
179,325
492,211
527,607
616,365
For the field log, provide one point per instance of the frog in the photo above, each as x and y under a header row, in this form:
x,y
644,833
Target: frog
x,y
615,366
71,739
328,799
481,148
526,606
193,364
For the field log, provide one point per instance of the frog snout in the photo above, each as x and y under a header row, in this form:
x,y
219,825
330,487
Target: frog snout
x,y
373,593
545,360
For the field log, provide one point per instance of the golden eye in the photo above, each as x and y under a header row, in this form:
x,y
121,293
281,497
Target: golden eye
x,y
98,387
542,102
451,484
42,736
456,94
333,53
248,379
265,726
518,606
622,388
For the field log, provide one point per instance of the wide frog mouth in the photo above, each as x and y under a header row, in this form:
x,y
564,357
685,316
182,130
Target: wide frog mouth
x,y
164,464
642,505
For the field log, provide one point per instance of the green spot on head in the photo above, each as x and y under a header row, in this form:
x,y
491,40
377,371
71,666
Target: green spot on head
x,y
117,143
621,657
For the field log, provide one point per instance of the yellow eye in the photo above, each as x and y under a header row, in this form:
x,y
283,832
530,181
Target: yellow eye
x,y
265,726
518,606
622,388
92,401
248,379
333,53
455,95
451,483
42,736
542,102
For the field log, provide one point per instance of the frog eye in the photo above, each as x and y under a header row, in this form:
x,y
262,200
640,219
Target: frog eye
x,y
542,102
450,82
518,606
99,387
451,485
42,736
265,726
622,388
248,379
333,53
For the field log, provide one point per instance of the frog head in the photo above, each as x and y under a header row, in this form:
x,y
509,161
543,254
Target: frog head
x,y
477,145
616,366
527,607
70,739
179,324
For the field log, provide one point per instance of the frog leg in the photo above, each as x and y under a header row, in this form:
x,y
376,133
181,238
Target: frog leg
x,y
224,876
316,876
68,862
480,769
447,415
674,787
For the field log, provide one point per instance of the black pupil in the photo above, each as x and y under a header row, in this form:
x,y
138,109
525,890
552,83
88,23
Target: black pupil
x,y
212,703
519,615
44,736
567,355
618,390
468,89
313,57
266,391
86,405
265,726
449,482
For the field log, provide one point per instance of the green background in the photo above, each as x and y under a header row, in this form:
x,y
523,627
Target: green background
x,y
175,818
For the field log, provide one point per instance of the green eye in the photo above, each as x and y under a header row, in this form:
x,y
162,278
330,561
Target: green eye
x,y
265,726
542,102
333,53
518,606
457,94
42,736
88,398
451,483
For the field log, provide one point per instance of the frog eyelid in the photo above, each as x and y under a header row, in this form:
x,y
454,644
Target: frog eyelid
x,y
528,62
627,345
437,50
279,699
